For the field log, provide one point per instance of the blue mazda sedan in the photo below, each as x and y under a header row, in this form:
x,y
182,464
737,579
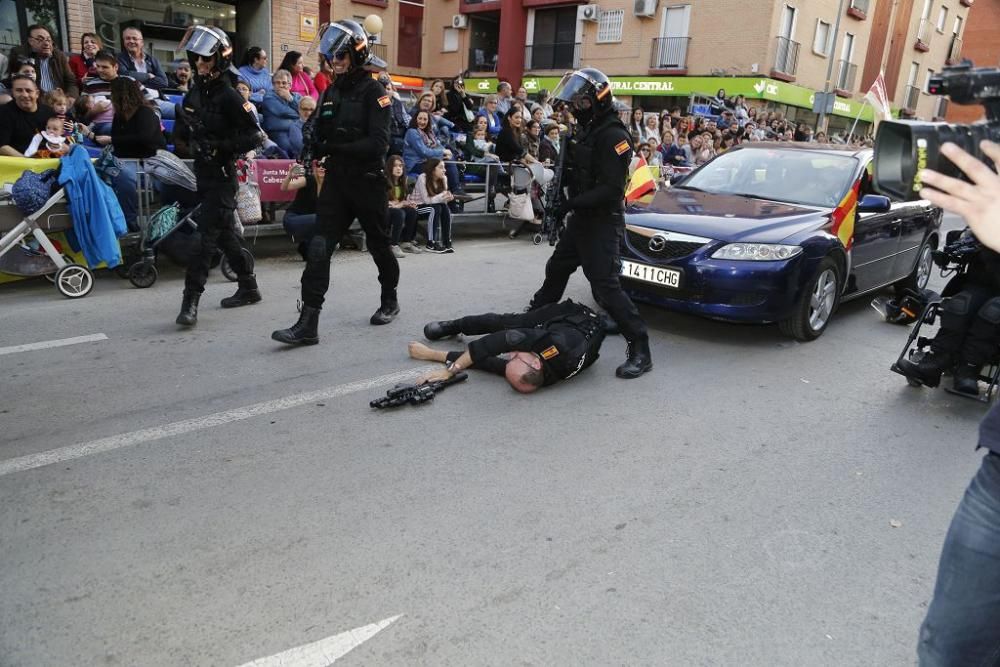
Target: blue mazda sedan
x,y
775,233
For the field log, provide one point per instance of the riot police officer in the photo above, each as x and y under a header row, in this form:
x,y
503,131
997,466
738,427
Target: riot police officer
x,y
544,346
352,132
218,126
596,169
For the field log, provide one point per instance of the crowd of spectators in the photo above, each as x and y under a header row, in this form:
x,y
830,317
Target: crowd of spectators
x,y
128,100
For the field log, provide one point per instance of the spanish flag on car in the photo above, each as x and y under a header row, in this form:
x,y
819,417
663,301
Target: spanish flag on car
x,y
642,181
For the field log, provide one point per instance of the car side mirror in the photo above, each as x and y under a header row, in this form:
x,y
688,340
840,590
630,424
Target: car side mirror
x,y
874,204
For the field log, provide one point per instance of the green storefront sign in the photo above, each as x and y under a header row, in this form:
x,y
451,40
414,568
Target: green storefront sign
x,y
683,86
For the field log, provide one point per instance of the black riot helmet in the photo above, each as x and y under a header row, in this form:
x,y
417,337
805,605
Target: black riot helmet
x,y
588,93
207,41
347,38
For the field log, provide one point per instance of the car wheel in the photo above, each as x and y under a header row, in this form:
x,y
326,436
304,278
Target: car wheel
x,y
917,280
817,304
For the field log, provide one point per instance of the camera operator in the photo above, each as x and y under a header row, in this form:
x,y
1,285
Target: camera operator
x,y
970,327
962,626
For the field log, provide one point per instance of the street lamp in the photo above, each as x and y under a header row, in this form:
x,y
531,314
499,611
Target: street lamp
x,y
821,125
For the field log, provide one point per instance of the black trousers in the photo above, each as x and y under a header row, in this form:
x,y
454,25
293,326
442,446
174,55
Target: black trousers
x,y
402,224
595,244
215,224
342,199
475,325
970,326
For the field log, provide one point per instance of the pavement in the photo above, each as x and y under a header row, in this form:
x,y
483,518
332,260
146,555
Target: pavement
x,y
208,497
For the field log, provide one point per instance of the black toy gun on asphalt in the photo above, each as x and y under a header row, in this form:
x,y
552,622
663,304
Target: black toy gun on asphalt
x,y
554,197
415,394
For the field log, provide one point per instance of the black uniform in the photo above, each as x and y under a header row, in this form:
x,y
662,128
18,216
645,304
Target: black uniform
x,y
352,128
218,126
970,318
596,172
567,336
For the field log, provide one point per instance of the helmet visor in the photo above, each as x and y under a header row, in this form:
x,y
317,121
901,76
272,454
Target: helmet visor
x,y
579,90
333,41
200,40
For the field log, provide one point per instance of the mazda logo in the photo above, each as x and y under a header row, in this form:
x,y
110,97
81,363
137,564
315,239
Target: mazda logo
x,y
658,243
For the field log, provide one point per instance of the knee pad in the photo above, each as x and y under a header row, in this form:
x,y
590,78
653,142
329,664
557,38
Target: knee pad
x,y
991,311
317,250
957,305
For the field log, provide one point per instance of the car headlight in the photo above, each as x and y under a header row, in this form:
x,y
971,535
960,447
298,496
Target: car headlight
x,y
757,252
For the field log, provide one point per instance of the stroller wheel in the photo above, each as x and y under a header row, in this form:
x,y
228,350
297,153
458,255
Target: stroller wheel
x,y
536,238
227,270
74,281
142,275
51,277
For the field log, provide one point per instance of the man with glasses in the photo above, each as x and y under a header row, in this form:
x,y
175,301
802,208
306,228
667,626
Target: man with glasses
x,y
220,126
531,350
352,133
23,118
52,65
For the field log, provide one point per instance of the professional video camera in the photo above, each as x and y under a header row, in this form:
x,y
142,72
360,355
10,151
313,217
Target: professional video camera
x,y
903,148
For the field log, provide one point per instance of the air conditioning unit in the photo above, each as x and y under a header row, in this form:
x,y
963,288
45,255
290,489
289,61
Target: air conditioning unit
x,y
589,13
460,21
644,8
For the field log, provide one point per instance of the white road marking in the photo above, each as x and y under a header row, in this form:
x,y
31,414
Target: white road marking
x,y
325,651
80,450
46,344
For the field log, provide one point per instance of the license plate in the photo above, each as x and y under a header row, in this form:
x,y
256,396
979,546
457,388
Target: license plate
x,y
657,275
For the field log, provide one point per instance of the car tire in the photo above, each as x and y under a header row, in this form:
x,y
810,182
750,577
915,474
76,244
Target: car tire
x,y
917,280
816,305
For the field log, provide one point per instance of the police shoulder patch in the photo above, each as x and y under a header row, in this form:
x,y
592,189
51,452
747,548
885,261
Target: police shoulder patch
x,y
384,101
550,352
248,107
621,147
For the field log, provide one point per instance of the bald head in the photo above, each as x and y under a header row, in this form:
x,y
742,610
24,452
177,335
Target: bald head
x,y
524,372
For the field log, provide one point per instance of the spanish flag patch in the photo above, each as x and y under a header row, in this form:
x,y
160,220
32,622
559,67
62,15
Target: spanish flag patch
x,y
550,352
384,101
248,107
622,147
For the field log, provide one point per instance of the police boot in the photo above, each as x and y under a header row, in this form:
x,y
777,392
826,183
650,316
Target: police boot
x,y
303,332
246,293
387,311
441,329
188,316
928,370
639,359
966,379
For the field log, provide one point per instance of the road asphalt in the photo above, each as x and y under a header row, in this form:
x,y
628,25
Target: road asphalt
x,y
208,497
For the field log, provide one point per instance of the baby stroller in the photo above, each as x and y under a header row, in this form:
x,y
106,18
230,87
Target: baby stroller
x,y
72,280
953,259
173,229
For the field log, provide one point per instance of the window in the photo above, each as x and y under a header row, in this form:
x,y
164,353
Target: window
x,y
911,80
409,44
847,50
927,81
942,18
553,40
957,30
609,28
926,14
450,41
821,42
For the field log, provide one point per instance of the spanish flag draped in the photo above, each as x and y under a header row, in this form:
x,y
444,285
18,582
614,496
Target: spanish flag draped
x,y
844,215
642,182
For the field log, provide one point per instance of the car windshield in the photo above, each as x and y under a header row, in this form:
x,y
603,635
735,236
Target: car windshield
x,y
794,176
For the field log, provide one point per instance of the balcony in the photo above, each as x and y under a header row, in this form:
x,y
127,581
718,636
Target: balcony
x,y
380,51
954,51
859,9
670,54
559,55
786,60
923,42
846,73
482,60
911,96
